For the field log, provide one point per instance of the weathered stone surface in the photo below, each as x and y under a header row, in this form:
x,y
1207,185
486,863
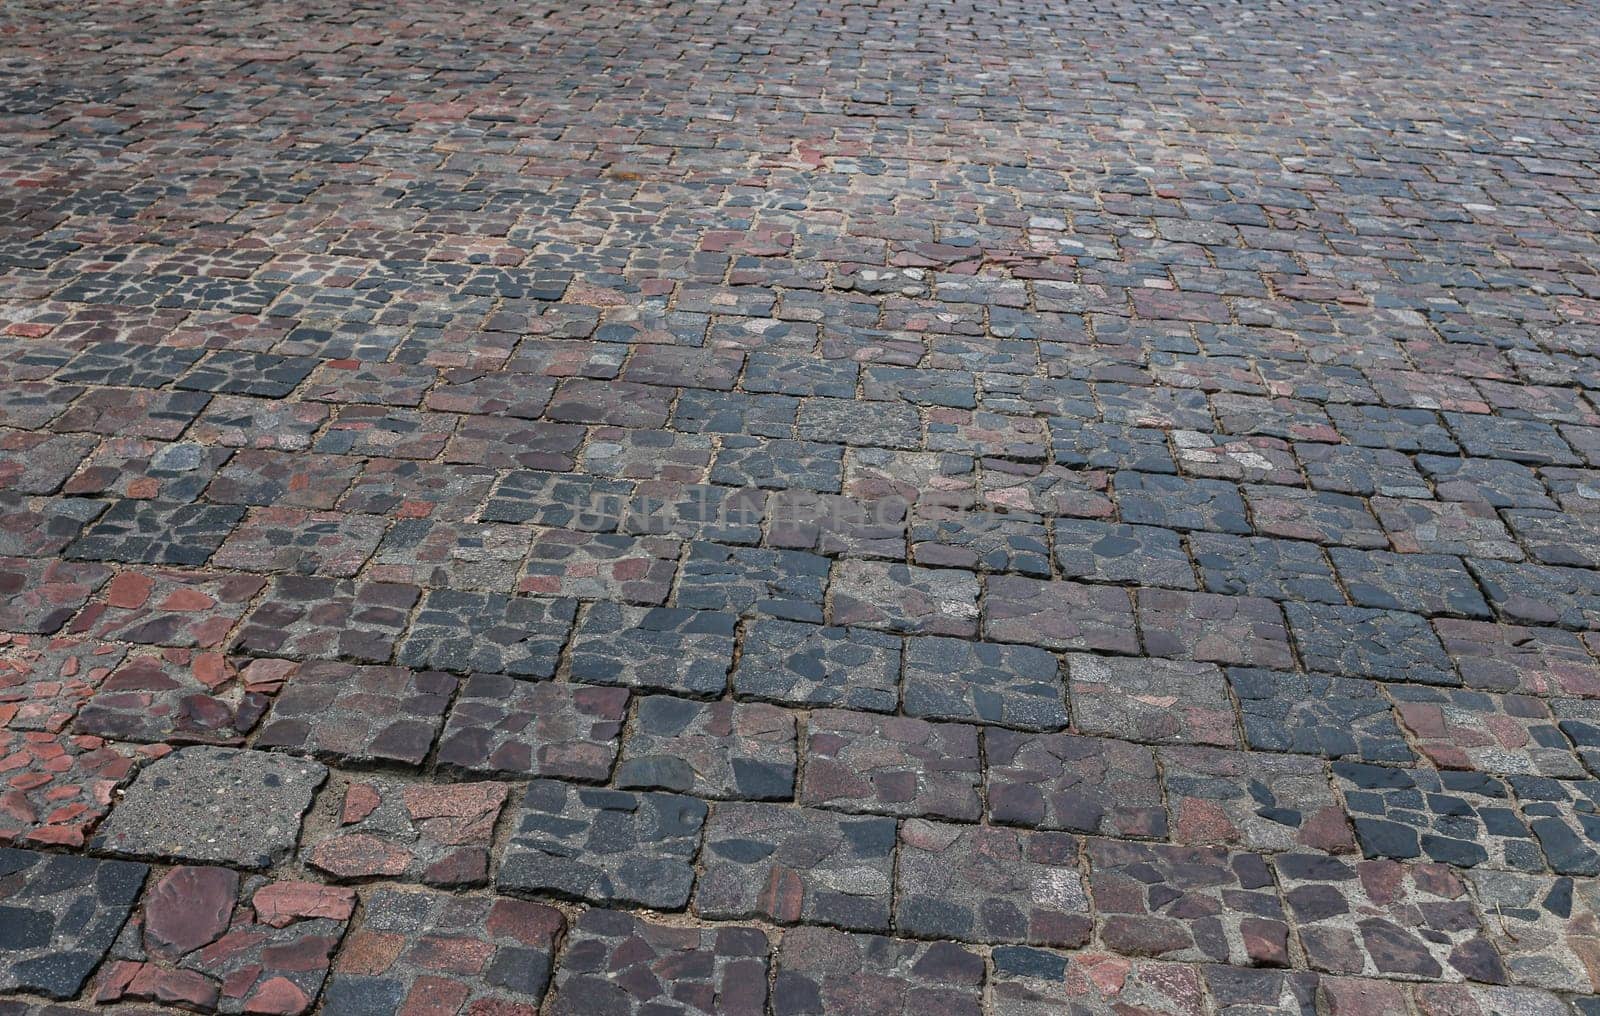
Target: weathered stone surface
x,y
988,884
949,431
1012,686
166,607
1058,615
791,865
1080,784
465,631
656,648
182,695
185,807
359,715
1187,903
384,828
499,724
821,970
269,952
1455,818
744,751
1034,982
606,846
45,681
1317,714
805,664
1163,701
891,765
38,596
1254,800
1459,729
60,915
907,599
619,963
56,787
416,951
317,618
1383,918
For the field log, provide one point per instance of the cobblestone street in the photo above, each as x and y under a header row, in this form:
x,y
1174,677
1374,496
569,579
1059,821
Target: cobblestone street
x,y
783,508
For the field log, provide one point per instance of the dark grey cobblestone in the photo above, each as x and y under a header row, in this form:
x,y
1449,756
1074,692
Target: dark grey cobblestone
x,y
805,664
792,865
656,648
606,846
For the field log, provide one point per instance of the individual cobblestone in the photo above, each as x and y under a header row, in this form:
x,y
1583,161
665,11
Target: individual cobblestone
x,y
891,765
1254,800
1108,552
438,835
39,595
605,846
1013,686
266,476
1033,982
403,488
457,555
1174,502
1205,904
621,963
464,631
907,599
154,532
821,970
43,681
1317,714
502,725
1383,918
1058,615
1254,566
989,884
753,580
744,751
792,865
1379,644
804,664
1420,583
194,945
184,807
1461,819
1161,701
296,542
655,648
1245,630
304,616
360,715
1320,516
182,695
1073,783
414,951
1547,928
62,914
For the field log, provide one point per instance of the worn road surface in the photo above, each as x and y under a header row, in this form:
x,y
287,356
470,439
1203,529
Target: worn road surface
x,y
914,508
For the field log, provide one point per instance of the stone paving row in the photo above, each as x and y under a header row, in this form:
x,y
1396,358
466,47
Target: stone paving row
x,y
768,507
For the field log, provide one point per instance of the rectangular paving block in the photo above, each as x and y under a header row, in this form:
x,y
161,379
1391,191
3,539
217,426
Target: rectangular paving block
x,y
413,950
789,865
606,846
620,963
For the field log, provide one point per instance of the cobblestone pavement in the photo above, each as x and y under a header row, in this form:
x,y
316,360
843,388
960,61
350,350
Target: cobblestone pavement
x,y
788,508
